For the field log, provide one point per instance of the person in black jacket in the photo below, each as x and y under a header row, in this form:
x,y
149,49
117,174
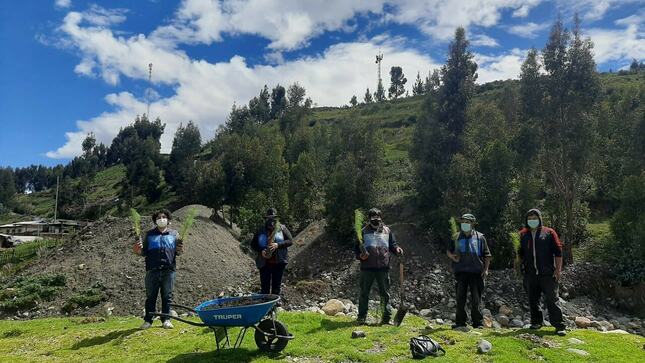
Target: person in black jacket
x,y
540,254
160,246
379,242
271,243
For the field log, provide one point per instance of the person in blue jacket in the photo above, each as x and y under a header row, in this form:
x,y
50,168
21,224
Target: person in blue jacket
x,y
160,246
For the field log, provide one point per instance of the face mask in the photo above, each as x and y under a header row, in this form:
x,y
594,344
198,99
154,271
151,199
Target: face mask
x,y
162,222
270,224
533,223
375,223
466,227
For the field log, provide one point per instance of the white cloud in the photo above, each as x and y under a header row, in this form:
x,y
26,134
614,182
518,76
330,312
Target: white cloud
x,y
504,66
592,10
289,24
439,18
483,40
203,91
529,30
618,44
63,4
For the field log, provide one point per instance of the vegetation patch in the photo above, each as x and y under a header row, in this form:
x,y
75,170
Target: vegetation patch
x,y
27,292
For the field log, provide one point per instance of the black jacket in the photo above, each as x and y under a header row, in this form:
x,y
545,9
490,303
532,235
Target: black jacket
x,y
284,240
546,245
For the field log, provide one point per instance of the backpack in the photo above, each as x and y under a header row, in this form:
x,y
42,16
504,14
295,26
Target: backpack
x,y
424,346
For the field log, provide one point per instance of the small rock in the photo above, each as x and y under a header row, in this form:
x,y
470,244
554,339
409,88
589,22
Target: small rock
x,y
425,312
358,334
516,323
81,266
578,352
575,341
488,322
582,322
484,346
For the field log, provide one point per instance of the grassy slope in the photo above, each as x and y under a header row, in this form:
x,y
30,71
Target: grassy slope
x,y
318,339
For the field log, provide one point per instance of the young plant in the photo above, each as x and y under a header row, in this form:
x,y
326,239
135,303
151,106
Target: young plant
x,y
136,222
188,222
359,223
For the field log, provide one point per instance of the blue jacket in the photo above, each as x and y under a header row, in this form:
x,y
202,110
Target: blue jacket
x,y
471,250
160,249
260,240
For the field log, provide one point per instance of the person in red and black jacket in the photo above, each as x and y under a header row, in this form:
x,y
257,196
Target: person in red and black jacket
x,y
540,254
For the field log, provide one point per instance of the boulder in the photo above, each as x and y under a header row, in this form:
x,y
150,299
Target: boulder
x,y
516,323
333,307
582,322
505,310
502,319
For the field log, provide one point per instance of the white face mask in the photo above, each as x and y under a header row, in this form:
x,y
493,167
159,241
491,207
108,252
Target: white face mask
x,y
533,223
466,227
162,222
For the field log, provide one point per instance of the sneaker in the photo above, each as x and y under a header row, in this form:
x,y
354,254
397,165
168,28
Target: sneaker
x,y
561,332
167,324
145,325
360,321
535,326
478,326
386,322
461,328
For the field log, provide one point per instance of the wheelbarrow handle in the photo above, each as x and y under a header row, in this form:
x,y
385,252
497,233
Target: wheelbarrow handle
x,y
183,307
162,315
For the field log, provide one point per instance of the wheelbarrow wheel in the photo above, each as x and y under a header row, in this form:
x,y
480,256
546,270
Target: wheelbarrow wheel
x,y
268,343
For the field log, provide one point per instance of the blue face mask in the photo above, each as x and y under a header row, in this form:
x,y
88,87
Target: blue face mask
x,y
533,223
466,227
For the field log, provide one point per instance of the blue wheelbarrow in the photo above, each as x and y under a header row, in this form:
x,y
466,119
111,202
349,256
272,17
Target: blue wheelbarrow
x,y
254,311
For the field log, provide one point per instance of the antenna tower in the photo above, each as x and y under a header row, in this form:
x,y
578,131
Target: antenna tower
x,y
149,90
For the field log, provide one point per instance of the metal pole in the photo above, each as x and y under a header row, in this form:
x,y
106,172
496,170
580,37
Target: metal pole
x,y
149,91
56,206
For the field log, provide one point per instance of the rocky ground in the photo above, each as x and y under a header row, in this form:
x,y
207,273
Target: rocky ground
x,y
324,269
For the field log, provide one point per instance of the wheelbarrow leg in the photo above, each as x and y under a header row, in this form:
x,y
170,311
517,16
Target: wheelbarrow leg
x,y
221,337
240,337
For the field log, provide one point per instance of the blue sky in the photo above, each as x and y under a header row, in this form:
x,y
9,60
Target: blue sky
x,y
70,67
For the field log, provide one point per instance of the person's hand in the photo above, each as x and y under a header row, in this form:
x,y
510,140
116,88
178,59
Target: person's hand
x,y
453,256
484,273
138,247
364,256
264,253
272,246
399,251
557,274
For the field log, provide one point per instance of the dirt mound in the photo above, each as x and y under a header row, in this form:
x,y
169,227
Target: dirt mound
x,y
100,258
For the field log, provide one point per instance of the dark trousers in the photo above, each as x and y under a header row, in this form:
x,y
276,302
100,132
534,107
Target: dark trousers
x,y
271,278
157,280
383,282
474,282
536,286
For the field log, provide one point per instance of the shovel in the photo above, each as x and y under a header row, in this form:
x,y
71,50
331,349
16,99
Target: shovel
x,y
403,309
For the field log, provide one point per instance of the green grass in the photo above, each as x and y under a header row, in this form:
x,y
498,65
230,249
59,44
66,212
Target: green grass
x,y
317,339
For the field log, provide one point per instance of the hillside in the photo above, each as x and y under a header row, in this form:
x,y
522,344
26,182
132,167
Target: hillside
x,y
395,120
